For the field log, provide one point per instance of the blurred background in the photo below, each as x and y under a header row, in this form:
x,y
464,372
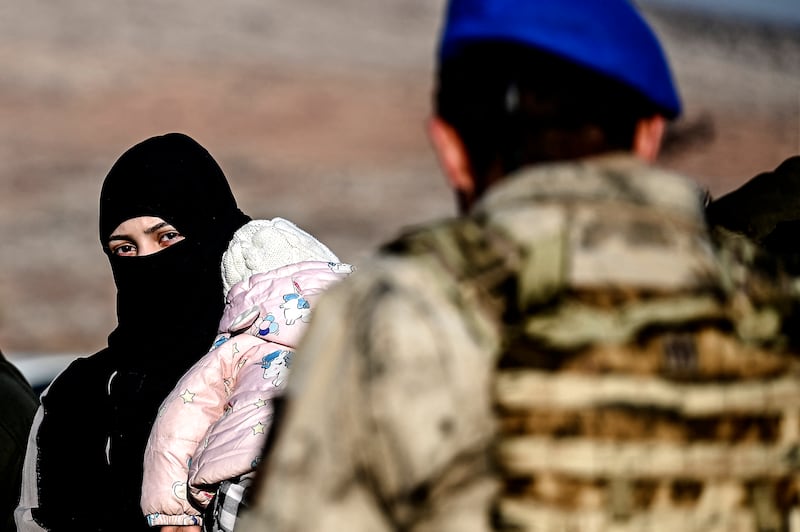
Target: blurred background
x,y
316,112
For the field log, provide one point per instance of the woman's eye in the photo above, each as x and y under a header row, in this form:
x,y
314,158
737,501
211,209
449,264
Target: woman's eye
x,y
125,250
170,237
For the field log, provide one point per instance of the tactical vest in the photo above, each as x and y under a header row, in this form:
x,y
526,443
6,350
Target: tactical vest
x,y
630,409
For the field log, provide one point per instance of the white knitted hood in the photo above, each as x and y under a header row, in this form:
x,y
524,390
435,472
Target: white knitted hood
x,y
264,245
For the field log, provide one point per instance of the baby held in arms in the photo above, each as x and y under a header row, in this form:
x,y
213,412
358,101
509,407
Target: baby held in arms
x,y
210,431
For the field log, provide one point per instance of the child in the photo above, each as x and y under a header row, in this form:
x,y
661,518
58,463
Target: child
x,y
211,429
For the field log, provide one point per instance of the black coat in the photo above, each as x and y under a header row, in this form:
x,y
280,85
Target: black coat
x,y
99,412
17,407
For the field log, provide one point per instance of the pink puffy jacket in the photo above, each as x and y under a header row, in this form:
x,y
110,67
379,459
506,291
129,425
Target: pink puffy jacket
x,y
214,424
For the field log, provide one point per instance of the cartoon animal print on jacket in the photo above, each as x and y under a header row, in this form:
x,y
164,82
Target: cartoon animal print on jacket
x,y
276,366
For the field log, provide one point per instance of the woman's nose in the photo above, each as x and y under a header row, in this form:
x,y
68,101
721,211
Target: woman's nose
x,y
148,247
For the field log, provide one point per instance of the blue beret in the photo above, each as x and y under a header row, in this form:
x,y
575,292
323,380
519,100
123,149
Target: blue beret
x,y
607,36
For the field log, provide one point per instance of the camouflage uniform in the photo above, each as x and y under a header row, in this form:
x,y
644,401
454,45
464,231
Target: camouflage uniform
x,y
562,359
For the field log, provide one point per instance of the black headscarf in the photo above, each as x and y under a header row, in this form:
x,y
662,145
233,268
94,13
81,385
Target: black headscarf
x,y
168,308
169,303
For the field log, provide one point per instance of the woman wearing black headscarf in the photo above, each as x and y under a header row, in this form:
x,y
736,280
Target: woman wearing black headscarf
x,y
166,216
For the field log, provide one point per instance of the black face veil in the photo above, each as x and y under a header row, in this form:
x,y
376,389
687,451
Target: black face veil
x,y
169,303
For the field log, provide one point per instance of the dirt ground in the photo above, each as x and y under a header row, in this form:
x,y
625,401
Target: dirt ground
x,y
315,110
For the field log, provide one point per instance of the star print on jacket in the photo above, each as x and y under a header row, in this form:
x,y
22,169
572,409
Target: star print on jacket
x,y
187,396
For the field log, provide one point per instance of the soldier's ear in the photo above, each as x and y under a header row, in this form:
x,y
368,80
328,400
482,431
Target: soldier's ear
x,y
451,155
648,136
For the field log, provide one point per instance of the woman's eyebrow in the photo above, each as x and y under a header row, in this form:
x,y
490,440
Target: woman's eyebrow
x,y
120,237
155,228
148,231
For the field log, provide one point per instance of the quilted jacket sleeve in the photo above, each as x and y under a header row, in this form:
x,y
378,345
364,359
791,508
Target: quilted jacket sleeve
x,y
233,444
197,401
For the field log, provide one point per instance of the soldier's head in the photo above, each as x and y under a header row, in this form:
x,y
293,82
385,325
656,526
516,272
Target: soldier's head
x,y
526,81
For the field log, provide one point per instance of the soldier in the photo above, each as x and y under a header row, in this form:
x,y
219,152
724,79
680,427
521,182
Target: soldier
x,y
571,353
766,210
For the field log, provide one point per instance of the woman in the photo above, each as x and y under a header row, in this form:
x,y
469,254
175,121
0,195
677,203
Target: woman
x,y
166,216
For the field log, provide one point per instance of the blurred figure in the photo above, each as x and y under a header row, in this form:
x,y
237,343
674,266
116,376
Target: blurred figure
x,y
167,214
766,210
17,407
571,353
211,430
